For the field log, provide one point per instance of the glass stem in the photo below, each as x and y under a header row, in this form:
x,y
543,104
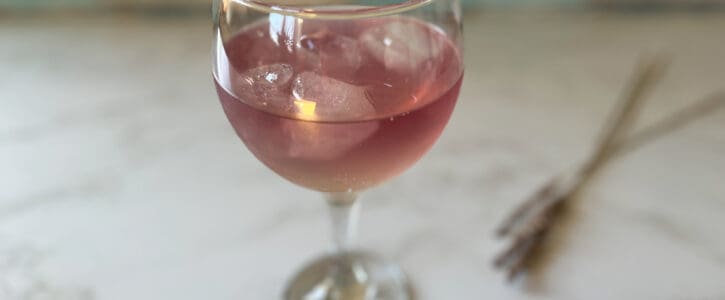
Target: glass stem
x,y
344,209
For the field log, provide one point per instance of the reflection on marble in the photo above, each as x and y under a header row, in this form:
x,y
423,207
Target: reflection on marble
x,y
122,180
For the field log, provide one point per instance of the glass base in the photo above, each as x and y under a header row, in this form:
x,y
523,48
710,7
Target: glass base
x,y
349,276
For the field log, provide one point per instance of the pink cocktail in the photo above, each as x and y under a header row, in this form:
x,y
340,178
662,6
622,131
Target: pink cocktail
x,y
339,98
339,111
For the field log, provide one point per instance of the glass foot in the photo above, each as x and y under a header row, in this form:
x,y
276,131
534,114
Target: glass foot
x,y
349,276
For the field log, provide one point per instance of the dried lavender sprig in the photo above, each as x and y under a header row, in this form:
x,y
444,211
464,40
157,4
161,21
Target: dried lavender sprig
x,y
530,223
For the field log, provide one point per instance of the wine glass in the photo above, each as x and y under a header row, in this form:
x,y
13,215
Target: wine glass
x,y
338,96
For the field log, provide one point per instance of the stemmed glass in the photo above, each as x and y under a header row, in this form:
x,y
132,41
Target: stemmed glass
x,y
339,96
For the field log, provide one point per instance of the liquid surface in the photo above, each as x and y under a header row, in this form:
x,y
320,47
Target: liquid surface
x,y
338,105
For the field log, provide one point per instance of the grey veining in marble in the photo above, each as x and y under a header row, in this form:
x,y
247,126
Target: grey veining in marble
x,y
121,179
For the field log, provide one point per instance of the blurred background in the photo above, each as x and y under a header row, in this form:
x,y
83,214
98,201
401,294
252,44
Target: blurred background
x,y
184,5
120,177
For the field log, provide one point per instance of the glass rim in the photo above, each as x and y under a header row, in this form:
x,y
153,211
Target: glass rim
x,y
334,13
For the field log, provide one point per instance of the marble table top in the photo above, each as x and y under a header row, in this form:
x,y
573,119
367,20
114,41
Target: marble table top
x,y
121,179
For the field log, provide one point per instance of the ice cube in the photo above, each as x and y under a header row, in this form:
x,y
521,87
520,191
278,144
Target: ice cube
x,y
266,87
337,55
325,141
323,98
403,46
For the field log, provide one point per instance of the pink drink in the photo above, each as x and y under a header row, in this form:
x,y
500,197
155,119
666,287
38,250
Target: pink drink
x,y
338,106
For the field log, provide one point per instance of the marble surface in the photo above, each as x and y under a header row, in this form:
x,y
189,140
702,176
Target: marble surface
x,y
121,178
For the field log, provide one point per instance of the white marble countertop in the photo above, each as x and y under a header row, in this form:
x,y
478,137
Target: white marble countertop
x,y
121,178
